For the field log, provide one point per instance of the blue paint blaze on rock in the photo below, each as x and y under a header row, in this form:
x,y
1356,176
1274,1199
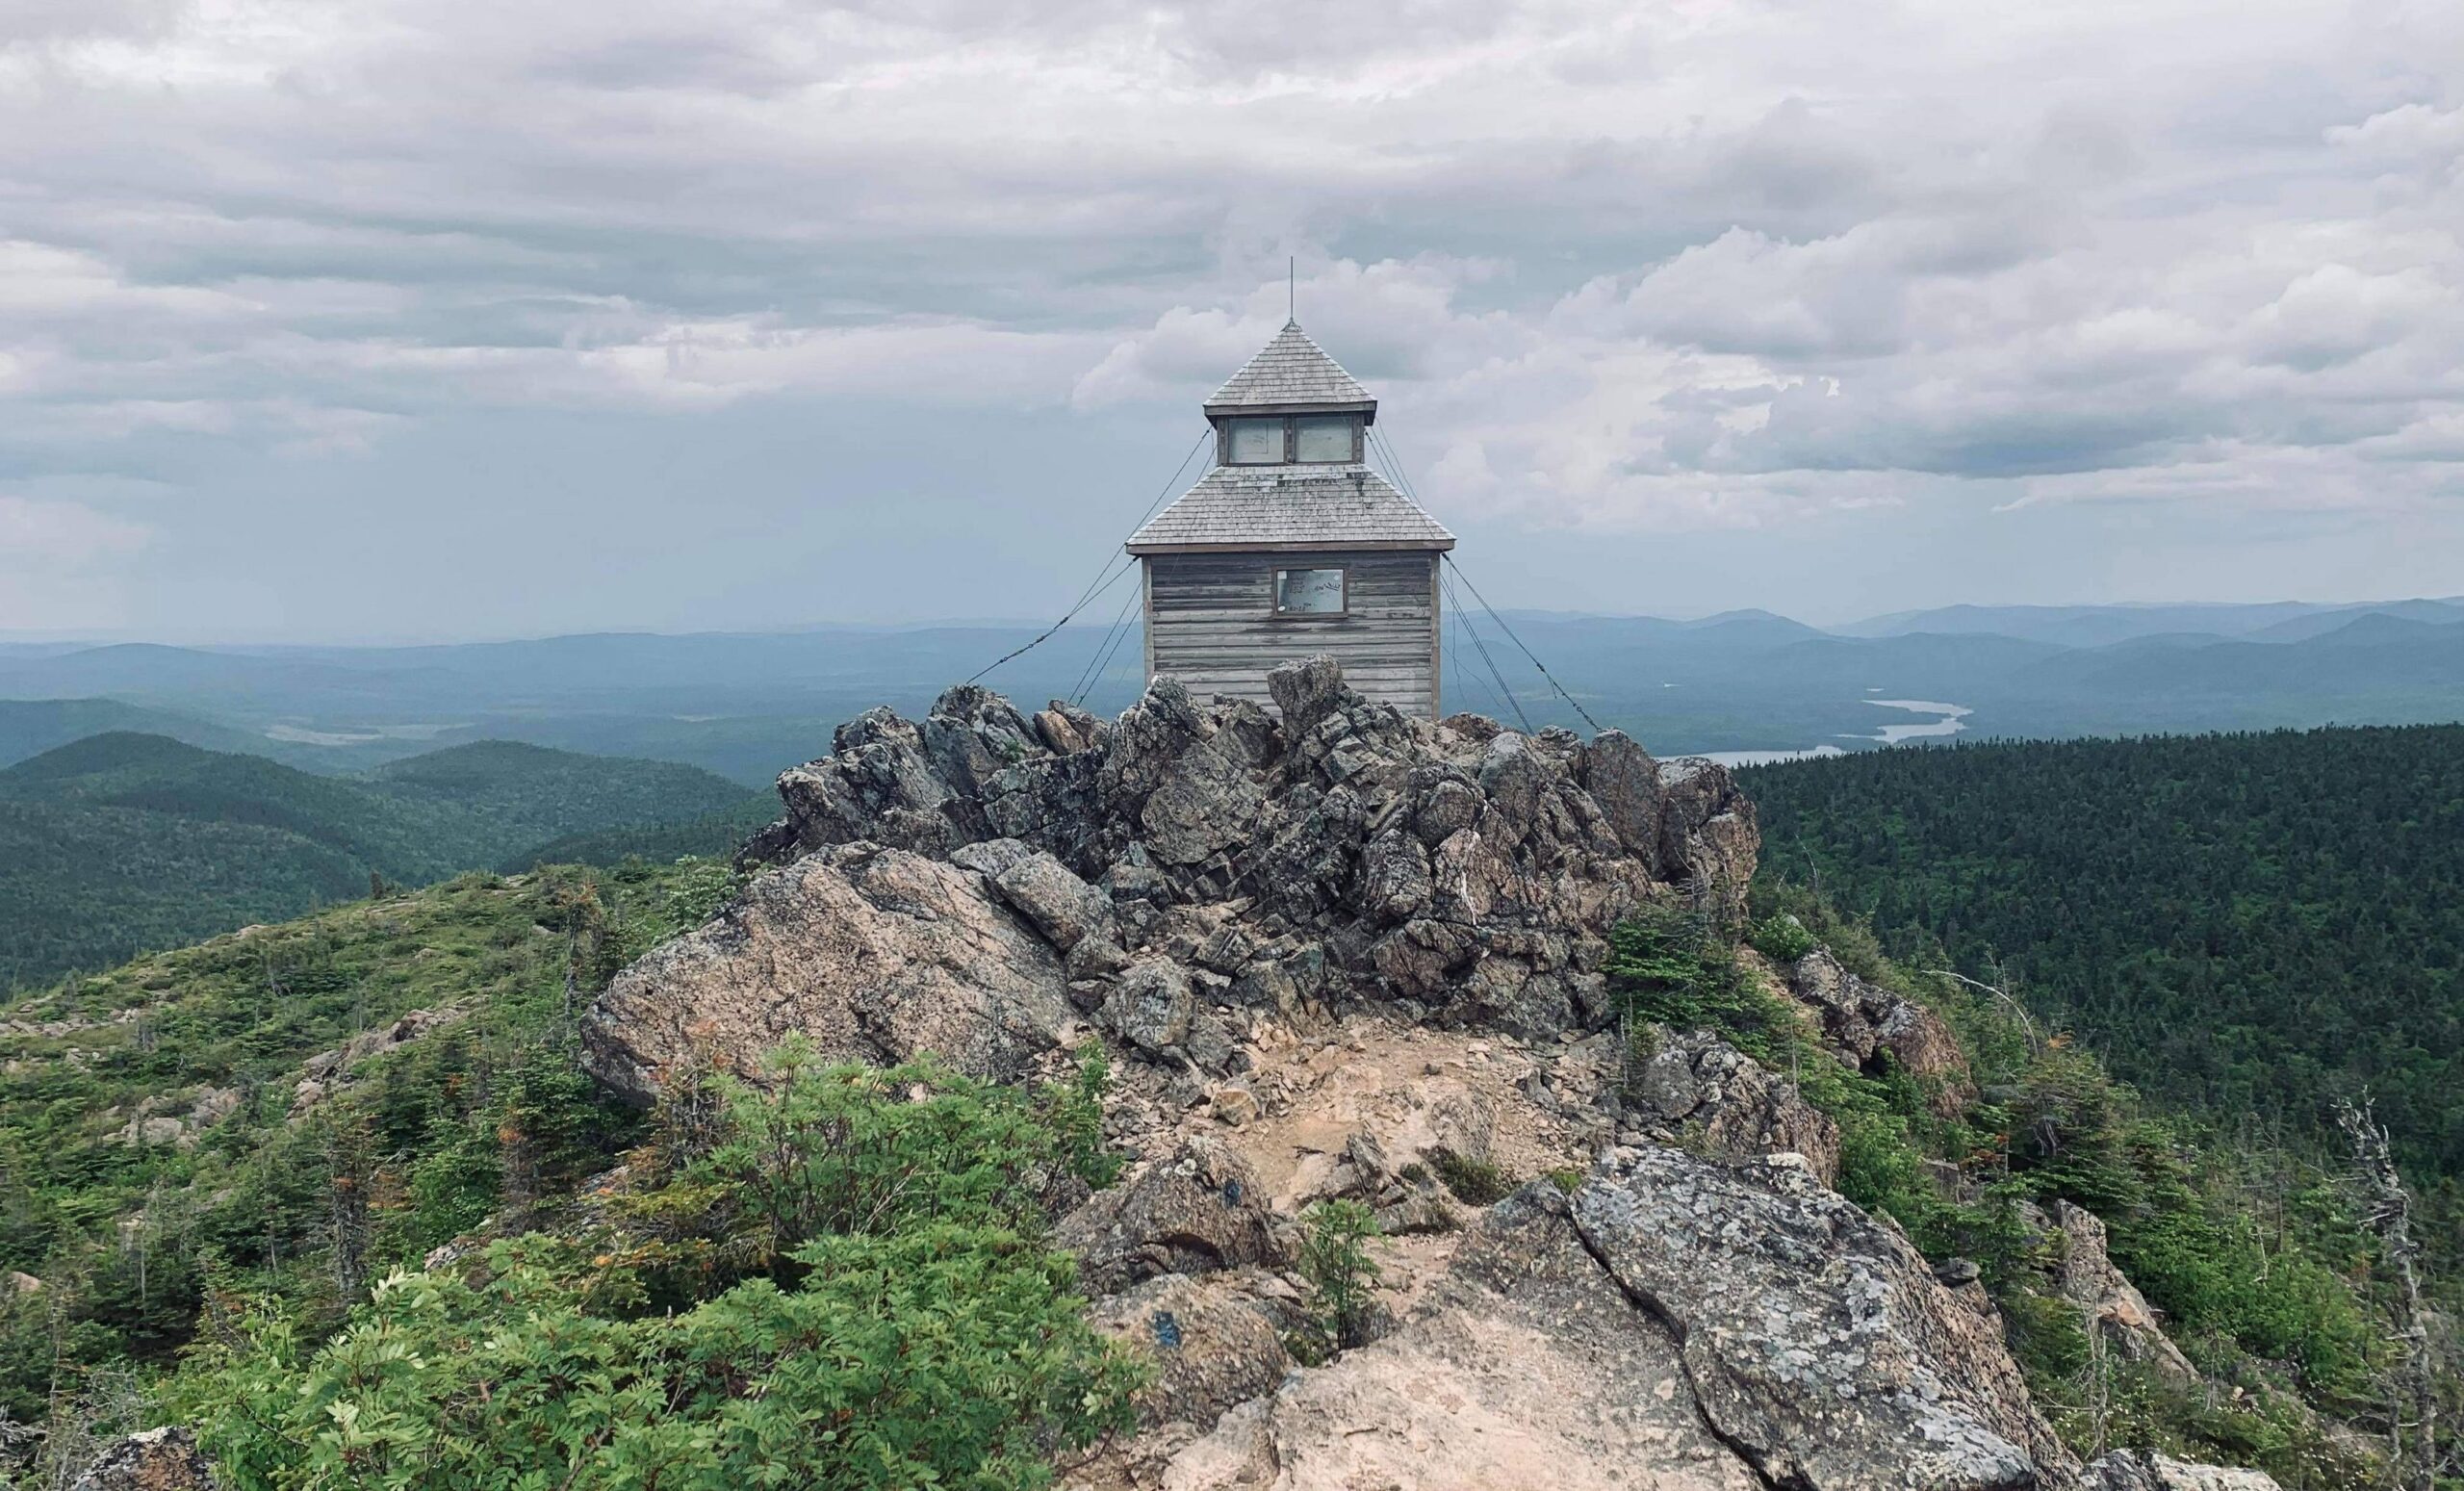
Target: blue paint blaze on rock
x,y
1167,1330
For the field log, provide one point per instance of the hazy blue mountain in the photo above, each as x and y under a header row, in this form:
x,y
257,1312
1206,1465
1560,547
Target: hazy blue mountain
x,y
2300,629
746,706
2098,626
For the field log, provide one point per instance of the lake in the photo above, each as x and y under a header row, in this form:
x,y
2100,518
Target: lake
x,y
1952,718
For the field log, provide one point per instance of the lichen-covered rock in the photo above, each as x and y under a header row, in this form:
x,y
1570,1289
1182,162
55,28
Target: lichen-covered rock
x,y
1064,907
1722,1104
874,954
1842,1003
1626,784
1922,1046
1306,691
1198,1211
2146,1470
1210,1343
877,785
154,1459
991,858
1816,1339
972,734
1863,1023
1151,1006
1394,882
1675,1324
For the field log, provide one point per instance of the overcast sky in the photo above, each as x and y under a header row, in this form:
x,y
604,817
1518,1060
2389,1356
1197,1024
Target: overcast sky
x,y
469,317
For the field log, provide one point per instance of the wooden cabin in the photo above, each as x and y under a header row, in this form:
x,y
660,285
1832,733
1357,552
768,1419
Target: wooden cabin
x,y
1290,546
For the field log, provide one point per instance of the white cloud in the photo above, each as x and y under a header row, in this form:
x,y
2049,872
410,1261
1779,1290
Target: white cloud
x,y
1706,265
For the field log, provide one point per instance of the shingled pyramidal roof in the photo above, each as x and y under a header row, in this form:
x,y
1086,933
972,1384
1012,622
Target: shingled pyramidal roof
x,y
1291,507
1292,372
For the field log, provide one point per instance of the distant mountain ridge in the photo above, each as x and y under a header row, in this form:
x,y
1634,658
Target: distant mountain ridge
x,y
122,841
746,706
2095,625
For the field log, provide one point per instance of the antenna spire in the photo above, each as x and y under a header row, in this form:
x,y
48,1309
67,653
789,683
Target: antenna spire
x,y
1292,290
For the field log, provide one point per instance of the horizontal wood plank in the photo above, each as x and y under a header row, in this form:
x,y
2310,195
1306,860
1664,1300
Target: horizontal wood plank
x,y
1212,625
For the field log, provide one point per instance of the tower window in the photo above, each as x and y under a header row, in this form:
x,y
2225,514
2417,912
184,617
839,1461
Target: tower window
x,y
1255,443
1324,437
1317,439
1312,592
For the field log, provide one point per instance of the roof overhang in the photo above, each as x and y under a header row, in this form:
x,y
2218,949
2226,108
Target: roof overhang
x,y
1320,546
1366,410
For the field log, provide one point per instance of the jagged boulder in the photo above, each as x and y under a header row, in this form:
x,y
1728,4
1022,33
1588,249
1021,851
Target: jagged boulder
x,y
1064,907
878,785
1709,834
972,734
1626,785
1816,1341
1200,1210
874,954
154,1459
1152,1006
1306,691
1706,1095
1865,1024
1066,730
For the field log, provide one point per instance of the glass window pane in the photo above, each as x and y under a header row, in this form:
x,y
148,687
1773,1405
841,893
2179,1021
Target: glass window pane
x,y
1309,592
1257,442
1323,437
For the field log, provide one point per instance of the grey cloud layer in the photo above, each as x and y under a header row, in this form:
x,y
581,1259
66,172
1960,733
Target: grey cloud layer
x,y
1628,268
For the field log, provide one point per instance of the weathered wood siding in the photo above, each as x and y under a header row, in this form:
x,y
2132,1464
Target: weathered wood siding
x,y
1211,623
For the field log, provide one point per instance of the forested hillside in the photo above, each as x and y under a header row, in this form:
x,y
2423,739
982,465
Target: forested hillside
x,y
2244,924
122,842
711,835
110,1083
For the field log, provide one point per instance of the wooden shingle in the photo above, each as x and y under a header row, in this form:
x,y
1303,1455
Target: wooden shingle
x,y
1290,507
1292,372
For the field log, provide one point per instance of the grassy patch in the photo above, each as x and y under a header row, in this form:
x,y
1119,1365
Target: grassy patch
x,y
1473,1182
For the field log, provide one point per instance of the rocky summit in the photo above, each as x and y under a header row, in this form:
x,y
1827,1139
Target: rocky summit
x,y
978,884
1347,955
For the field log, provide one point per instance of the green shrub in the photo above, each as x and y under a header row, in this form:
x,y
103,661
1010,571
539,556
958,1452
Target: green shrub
x,y
1673,967
1334,1257
848,1290
1473,1182
945,1353
1780,938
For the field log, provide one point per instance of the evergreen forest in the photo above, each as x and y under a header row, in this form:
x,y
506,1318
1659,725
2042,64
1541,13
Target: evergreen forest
x,y
2247,926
